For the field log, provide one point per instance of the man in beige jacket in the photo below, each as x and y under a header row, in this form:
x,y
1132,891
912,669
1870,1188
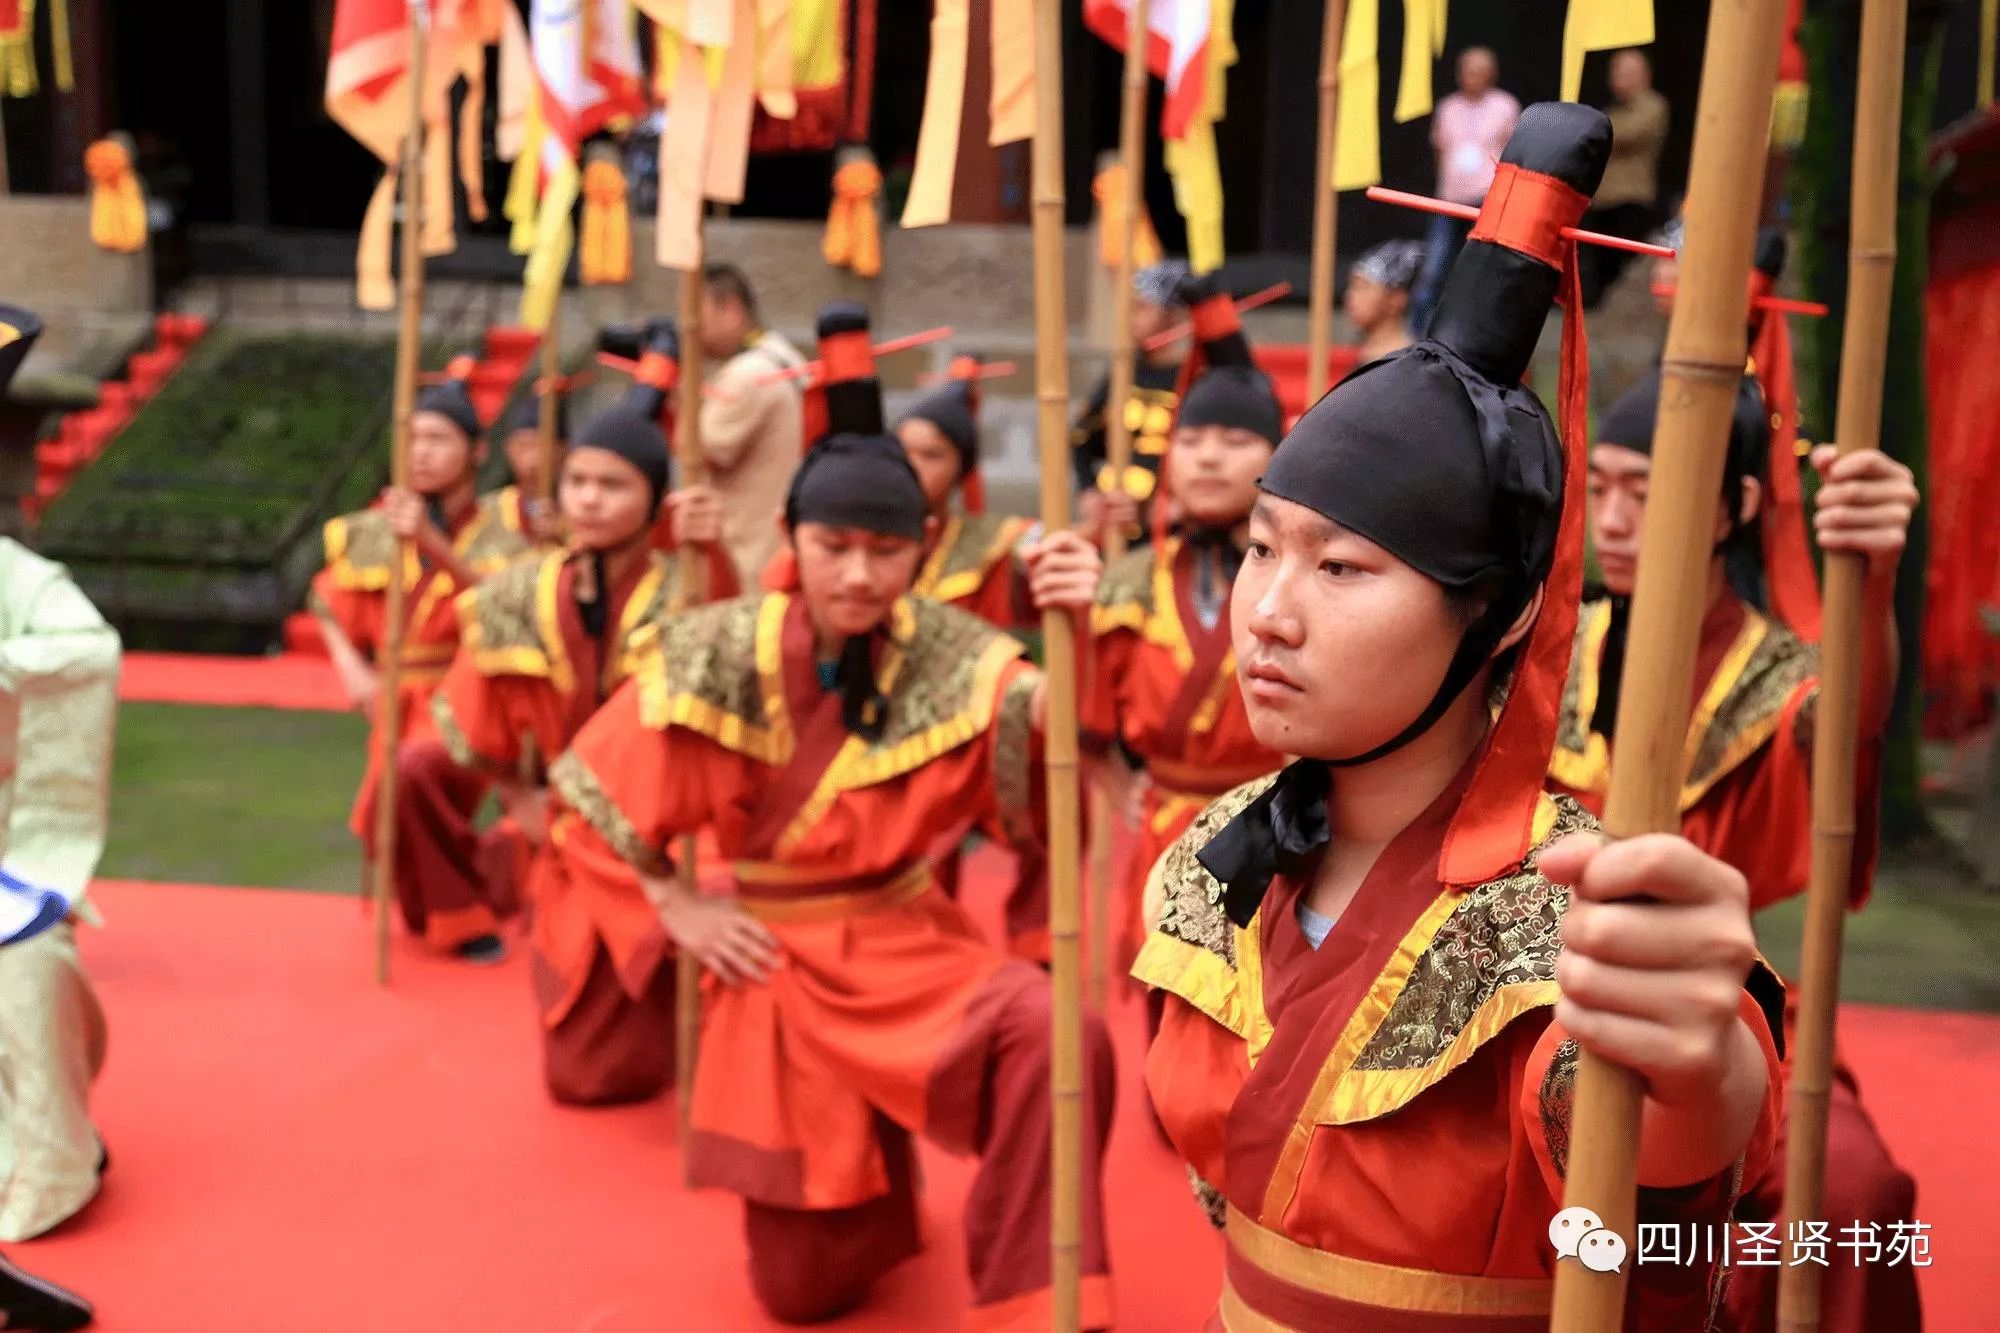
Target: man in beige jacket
x,y
750,428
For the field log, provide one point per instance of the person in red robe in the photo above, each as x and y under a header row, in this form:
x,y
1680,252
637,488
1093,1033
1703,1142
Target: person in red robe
x,y
1163,688
1378,983
459,539
974,564
825,736
1746,794
520,500
545,643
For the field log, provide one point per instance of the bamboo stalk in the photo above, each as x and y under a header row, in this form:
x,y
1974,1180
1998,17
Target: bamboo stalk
x,y
1059,658
545,426
1118,452
687,421
409,337
1704,361
1871,271
1326,207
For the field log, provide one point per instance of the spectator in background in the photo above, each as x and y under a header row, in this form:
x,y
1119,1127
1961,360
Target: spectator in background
x,y
1378,296
1469,129
750,427
1628,202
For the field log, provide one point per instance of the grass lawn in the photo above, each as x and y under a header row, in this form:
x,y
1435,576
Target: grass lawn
x,y
259,797
236,796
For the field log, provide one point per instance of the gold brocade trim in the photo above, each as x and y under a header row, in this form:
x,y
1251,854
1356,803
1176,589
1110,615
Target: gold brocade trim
x,y
1386,1286
360,549
1163,627
1581,761
458,745
548,622
1192,907
1199,976
940,703
1738,711
1557,1100
1203,720
905,888
1124,594
691,673
966,551
580,790
1762,669
1487,956
1013,758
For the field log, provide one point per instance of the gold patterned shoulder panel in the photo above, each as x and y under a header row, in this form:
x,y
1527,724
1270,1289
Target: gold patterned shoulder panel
x,y
360,550
1737,713
966,554
1125,593
493,539
1486,956
717,670
500,622
941,676
1194,950
1763,671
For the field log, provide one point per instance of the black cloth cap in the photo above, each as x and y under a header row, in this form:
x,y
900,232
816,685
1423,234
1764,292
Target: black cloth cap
x,y
18,330
1629,424
1235,396
634,438
451,401
858,481
527,415
1229,390
1771,253
948,406
1438,453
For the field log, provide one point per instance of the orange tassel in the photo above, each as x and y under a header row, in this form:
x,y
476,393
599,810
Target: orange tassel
x,y
972,490
605,253
853,231
117,208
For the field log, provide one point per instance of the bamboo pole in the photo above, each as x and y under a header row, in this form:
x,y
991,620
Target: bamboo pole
x,y
409,337
1871,272
1326,207
687,421
552,394
1059,660
1703,366
1118,453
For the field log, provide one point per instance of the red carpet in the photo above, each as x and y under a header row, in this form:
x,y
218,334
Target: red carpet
x,y
296,1150
289,680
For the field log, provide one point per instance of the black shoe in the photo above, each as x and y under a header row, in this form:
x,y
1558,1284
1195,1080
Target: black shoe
x,y
485,950
36,1304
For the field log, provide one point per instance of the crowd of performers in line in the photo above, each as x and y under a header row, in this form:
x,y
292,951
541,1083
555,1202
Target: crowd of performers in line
x,y
1356,705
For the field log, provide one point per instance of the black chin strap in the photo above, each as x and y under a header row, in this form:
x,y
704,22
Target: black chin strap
x,y
1284,828
864,709
1611,669
1475,649
596,611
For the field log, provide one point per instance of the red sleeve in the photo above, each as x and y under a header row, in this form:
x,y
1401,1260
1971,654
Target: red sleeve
x,y
638,787
357,611
472,715
1546,1101
1194,1070
1099,712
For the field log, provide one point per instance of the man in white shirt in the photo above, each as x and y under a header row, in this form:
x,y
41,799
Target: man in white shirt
x,y
750,427
1468,131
